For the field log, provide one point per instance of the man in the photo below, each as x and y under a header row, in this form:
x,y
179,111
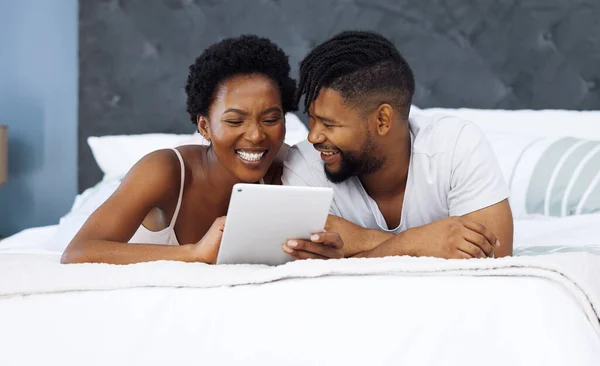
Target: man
x,y
404,184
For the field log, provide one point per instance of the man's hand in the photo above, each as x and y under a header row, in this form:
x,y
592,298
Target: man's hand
x,y
323,245
356,238
455,237
498,219
452,237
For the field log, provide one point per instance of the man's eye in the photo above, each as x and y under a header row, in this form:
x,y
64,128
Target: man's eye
x,y
272,121
234,122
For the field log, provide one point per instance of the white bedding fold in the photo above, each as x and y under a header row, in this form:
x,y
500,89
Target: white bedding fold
x,y
578,273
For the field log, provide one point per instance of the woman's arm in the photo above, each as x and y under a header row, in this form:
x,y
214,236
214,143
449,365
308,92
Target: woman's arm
x,y
153,182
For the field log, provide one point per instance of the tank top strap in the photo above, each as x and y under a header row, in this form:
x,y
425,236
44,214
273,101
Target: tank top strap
x,y
176,213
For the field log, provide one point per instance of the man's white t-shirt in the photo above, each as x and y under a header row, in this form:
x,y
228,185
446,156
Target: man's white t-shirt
x,y
453,171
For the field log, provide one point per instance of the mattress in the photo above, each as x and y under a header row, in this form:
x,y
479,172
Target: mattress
x,y
393,312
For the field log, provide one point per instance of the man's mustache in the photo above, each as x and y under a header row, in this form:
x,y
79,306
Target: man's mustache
x,y
326,147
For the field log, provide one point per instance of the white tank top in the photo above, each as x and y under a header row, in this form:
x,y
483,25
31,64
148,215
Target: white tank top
x,y
167,235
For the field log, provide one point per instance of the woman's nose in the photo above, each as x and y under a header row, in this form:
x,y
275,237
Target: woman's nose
x,y
255,133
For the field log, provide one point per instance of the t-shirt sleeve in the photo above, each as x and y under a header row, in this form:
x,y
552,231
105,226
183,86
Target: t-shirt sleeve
x,y
476,180
298,172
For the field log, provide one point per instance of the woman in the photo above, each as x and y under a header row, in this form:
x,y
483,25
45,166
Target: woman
x,y
172,203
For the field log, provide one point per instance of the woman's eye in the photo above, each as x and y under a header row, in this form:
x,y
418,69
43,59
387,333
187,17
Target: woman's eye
x,y
234,122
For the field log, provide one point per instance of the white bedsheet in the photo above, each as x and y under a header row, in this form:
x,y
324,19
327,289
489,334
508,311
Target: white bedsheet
x,y
29,241
378,320
557,232
578,273
345,319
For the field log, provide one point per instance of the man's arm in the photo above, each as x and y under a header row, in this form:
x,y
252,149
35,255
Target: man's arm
x,y
452,237
499,220
470,236
356,238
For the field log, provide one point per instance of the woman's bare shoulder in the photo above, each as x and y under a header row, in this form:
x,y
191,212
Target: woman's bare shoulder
x,y
194,157
158,172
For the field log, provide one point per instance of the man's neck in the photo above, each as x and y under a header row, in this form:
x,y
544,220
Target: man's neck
x,y
390,180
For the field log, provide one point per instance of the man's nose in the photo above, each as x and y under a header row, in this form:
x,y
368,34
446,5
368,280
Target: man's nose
x,y
315,136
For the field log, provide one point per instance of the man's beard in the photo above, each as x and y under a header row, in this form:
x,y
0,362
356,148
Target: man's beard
x,y
354,163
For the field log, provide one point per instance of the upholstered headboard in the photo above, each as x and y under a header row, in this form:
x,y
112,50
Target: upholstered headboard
x,y
509,54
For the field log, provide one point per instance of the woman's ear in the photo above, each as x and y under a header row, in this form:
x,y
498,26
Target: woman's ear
x,y
203,127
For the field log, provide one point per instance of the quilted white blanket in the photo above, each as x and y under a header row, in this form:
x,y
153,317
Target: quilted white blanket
x,y
577,272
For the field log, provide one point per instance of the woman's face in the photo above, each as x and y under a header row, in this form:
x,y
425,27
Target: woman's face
x,y
246,125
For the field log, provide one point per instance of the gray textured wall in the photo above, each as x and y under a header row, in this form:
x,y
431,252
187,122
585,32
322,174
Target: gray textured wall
x,y
511,54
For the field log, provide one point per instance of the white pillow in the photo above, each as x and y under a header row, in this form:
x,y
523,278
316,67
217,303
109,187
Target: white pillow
x,y
543,123
85,204
551,169
554,176
116,155
295,130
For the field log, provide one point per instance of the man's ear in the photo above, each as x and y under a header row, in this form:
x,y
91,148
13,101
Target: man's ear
x,y
203,127
383,119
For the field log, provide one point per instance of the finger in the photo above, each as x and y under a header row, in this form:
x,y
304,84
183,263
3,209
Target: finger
x,y
462,255
220,223
331,239
316,248
300,254
472,225
479,240
471,249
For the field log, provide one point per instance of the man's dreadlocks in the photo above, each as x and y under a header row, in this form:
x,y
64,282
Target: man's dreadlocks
x,y
364,67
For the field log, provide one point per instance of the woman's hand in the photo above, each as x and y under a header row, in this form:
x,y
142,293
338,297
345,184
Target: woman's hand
x,y
207,249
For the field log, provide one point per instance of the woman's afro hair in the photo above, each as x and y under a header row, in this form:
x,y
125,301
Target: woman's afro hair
x,y
246,54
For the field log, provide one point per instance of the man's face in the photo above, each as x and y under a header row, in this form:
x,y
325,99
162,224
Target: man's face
x,y
342,135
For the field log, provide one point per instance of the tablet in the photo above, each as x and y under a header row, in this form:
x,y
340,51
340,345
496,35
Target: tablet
x,y
262,217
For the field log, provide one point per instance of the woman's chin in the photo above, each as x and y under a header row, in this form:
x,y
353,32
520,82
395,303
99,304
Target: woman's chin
x,y
252,172
248,177
245,175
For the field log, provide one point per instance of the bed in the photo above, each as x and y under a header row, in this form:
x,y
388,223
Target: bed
x,y
540,307
316,313
521,69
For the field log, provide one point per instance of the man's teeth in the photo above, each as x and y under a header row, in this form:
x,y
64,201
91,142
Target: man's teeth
x,y
328,153
250,156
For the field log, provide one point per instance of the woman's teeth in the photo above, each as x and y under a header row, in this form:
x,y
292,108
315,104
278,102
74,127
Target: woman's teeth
x,y
250,156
